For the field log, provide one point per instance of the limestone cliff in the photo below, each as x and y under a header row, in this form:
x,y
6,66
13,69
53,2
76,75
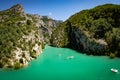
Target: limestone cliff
x,y
45,24
22,36
77,39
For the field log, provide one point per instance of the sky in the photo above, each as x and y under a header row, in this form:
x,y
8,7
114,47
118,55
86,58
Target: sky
x,y
56,9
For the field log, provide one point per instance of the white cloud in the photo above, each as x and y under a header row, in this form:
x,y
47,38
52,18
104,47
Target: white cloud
x,y
50,13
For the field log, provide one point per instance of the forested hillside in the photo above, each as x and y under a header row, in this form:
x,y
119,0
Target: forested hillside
x,y
94,31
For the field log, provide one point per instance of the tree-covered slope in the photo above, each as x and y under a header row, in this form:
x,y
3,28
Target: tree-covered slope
x,y
20,40
22,36
94,31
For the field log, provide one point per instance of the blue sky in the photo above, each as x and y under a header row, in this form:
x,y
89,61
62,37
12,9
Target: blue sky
x,y
57,9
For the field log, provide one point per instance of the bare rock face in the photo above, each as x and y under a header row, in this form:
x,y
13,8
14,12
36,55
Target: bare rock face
x,y
78,39
82,41
45,24
18,9
49,21
38,20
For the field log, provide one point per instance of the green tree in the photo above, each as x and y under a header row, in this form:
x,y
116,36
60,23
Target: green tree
x,y
100,27
113,39
29,22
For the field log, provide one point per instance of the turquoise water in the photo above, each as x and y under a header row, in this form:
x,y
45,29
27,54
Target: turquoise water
x,y
53,65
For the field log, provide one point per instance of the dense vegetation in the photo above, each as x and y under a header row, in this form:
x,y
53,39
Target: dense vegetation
x,y
11,39
10,36
23,36
101,22
15,32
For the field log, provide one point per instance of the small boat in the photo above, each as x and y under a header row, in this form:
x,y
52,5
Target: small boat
x,y
70,57
114,70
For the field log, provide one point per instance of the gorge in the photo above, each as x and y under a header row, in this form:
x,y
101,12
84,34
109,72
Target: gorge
x,y
23,36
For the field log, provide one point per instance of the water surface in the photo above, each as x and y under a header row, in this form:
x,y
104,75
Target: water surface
x,y
53,65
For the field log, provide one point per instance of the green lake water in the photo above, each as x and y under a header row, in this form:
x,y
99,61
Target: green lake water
x,y
53,65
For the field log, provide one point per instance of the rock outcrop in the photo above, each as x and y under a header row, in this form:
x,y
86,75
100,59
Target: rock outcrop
x,y
14,11
45,24
77,39
17,9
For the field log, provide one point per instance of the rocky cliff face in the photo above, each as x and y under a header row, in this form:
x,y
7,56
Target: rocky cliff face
x,y
81,41
15,11
77,39
45,24
22,36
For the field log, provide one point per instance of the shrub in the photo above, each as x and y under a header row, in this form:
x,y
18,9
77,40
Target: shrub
x,y
17,65
112,55
29,22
